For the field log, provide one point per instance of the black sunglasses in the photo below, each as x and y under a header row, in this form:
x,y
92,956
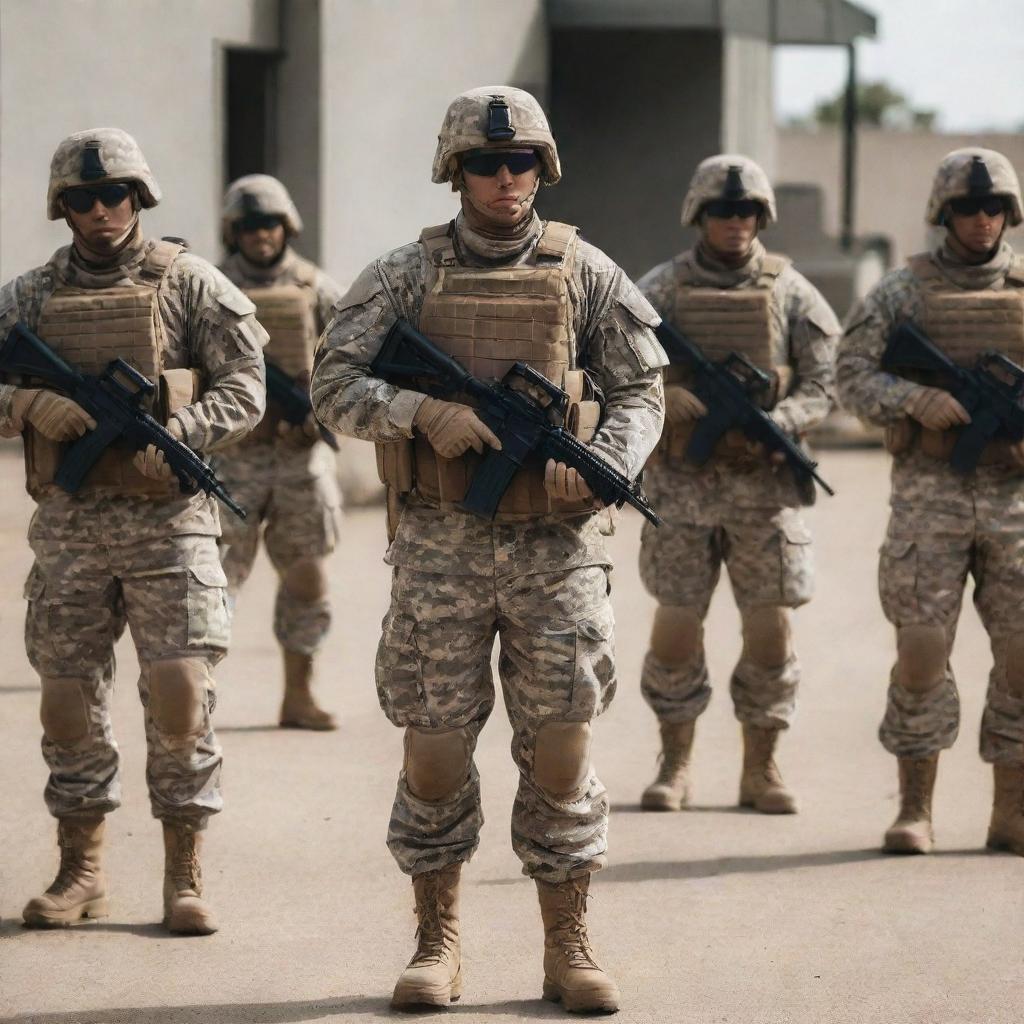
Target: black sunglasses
x,y
488,162
726,208
259,222
969,206
82,198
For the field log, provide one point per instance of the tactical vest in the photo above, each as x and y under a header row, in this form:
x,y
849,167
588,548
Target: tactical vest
x,y
724,320
89,327
288,314
964,324
489,319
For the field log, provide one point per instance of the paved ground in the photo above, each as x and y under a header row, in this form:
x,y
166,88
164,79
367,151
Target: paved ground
x,y
714,915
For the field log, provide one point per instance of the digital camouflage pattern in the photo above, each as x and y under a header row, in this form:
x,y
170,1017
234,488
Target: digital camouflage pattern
x,y
258,193
943,526
157,569
540,585
117,158
952,181
465,127
290,492
741,512
709,183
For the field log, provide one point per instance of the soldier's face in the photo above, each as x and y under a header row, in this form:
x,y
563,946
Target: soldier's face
x,y
730,236
500,197
978,232
262,245
102,227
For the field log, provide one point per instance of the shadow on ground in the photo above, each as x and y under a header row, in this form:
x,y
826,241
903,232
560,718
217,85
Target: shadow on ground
x,y
280,1013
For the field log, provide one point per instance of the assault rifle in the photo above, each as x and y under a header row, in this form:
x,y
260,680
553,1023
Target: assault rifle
x,y
114,400
729,390
522,423
990,391
293,400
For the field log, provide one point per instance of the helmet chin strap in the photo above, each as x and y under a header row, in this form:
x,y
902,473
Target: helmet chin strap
x,y
108,254
486,222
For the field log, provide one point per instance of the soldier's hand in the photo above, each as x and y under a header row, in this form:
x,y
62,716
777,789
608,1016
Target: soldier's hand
x,y
564,483
682,406
54,416
299,435
935,409
452,428
758,451
150,461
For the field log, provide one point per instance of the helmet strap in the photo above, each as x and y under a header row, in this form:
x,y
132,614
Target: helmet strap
x,y
480,218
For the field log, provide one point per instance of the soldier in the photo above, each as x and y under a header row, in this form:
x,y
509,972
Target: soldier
x,y
968,297
728,294
128,547
496,285
283,474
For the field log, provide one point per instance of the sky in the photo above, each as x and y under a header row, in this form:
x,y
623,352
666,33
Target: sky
x,y
962,58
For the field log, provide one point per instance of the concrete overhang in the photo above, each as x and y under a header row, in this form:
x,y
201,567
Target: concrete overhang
x,y
780,21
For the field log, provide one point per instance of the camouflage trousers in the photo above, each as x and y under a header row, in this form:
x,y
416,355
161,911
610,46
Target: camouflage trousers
x,y
942,529
171,593
714,517
556,666
292,501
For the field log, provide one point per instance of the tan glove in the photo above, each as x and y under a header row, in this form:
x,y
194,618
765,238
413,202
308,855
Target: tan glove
x,y
682,406
565,484
54,416
452,428
935,409
299,435
150,461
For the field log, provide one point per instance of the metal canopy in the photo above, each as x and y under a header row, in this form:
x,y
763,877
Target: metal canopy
x,y
780,21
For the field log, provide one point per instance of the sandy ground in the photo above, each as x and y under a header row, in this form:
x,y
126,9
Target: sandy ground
x,y
714,915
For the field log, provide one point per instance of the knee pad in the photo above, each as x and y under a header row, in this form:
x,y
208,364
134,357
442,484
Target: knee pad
x,y
678,634
63,710
766,635
1015,666
177,695
306,580
561,757
436,761
921,653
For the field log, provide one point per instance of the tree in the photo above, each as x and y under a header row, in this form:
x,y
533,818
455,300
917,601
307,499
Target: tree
x,y
878,104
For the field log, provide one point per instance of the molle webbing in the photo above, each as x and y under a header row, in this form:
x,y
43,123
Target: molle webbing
x,y
89,328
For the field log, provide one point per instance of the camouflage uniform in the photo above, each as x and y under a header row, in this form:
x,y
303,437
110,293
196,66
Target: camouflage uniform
x,y
104,560
541,585
290,491
944,525
735,509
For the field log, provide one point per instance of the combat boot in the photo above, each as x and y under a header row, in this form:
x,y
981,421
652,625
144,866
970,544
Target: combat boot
x,y
80,889
761,785
185,910
670,791
1006,830
299,710
434,974
571,974
911,832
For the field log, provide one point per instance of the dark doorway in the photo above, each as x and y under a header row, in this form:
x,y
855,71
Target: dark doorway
x,y
250,136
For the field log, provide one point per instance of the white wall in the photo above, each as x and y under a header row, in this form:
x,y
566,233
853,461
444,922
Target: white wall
x,y
388,77
158,75
748,120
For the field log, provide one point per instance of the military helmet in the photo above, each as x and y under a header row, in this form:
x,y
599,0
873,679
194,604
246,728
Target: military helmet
x,y
96,156
974,172
494,117
728,176
258,193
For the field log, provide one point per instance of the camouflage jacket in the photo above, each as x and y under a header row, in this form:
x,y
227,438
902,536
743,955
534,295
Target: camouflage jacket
x,y
203,314
614,337
808,329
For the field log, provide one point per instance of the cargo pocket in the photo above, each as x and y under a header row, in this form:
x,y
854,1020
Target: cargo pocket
x,y
207,607
594,674
399,681
795,564
897,579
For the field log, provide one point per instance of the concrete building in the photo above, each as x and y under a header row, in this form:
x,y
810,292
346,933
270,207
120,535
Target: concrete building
x,y
342,100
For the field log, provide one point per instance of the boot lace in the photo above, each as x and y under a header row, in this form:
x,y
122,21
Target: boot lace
x,y
72,862
572,929
187,873
431,944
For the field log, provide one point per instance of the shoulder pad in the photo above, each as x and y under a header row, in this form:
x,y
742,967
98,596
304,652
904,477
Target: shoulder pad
x,y
922,266
1016,272
632,299
362,289
774,264
234,300
183,242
